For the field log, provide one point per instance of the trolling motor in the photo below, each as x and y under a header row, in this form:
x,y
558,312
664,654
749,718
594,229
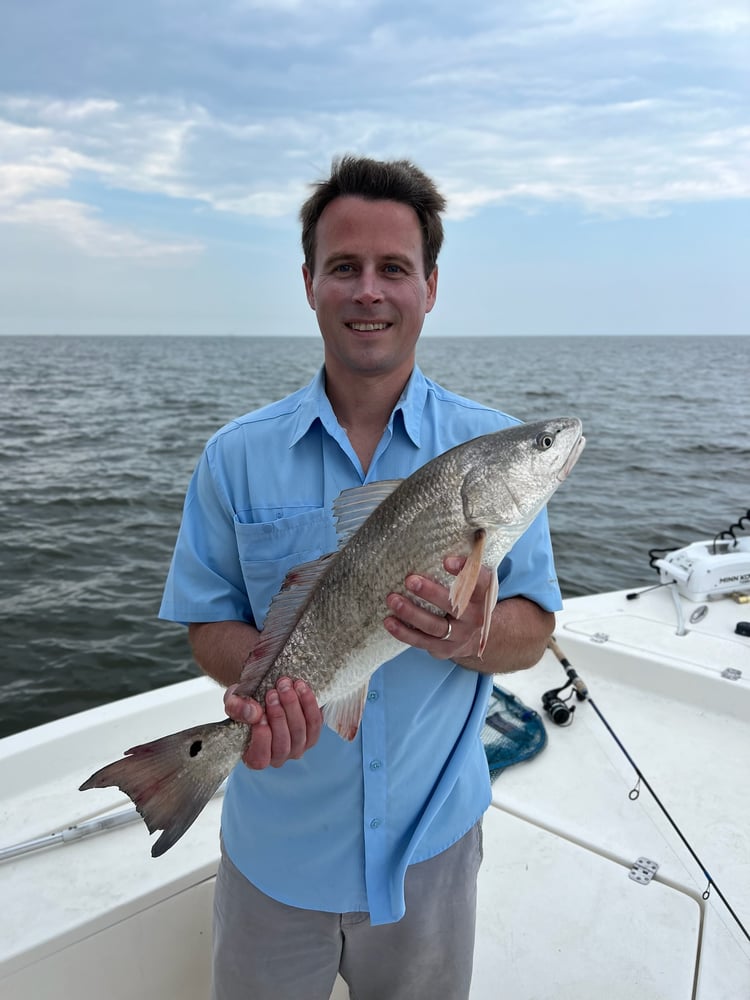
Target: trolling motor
x,y
555,703
707,569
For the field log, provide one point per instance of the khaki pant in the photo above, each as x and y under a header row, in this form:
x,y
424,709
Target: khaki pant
x,y
266,950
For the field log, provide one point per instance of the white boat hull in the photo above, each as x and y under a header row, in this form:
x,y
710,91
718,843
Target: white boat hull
x,y
558,915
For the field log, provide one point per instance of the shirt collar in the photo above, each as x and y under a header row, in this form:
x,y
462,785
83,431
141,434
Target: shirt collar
x,y
315,405
411,406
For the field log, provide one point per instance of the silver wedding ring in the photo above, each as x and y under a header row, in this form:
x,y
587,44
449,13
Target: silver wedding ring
x,y
450,629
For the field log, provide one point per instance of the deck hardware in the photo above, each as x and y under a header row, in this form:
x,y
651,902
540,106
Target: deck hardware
x,y
600,637
679,611
643,871
699,614
731,674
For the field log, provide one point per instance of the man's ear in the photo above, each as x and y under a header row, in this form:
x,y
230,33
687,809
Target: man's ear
x,y
308,279
432,283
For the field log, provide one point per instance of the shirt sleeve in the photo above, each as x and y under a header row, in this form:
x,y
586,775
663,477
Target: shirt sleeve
x,y
205,581
528,570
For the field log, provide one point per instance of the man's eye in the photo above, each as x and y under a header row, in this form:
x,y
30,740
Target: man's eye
x,y
392,268
343,268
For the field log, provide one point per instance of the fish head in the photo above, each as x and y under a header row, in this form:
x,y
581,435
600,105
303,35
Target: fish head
x,y
515,471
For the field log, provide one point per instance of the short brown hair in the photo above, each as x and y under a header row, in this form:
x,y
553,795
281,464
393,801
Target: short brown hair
x,y
387,180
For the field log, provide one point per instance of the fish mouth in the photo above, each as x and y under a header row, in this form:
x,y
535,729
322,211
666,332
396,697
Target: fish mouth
x,y
570,461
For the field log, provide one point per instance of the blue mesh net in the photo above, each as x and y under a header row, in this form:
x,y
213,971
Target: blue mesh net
x,y
512,732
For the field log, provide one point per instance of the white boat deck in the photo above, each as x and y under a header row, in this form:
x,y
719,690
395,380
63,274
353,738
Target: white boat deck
x,y
63,934
687,730
558,915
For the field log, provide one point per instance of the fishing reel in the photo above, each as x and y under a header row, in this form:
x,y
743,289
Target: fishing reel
x,y
556,705
554,702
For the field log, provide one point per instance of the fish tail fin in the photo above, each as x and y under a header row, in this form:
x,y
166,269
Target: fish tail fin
x,y
170,780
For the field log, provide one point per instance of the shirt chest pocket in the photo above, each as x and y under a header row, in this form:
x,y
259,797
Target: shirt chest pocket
x,y
269,549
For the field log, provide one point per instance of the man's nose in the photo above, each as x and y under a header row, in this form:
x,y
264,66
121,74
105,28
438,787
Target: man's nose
x,y
369,289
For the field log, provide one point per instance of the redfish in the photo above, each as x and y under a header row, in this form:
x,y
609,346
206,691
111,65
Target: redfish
x,y
325,626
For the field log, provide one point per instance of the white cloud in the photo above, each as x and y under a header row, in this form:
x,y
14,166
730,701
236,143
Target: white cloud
x,y
80,226
59,111
616,18
623,156
17,180
60,148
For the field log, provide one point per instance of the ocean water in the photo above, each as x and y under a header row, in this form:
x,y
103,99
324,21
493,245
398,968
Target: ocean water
x,y
99,436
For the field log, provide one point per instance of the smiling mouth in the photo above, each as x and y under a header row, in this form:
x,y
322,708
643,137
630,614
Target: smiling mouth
x,y
367,327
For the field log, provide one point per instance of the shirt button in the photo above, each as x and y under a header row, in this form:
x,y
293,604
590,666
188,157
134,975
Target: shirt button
x,y
375,823
373,696
375,765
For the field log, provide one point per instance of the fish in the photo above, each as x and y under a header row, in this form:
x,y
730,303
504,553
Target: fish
x,y
325,625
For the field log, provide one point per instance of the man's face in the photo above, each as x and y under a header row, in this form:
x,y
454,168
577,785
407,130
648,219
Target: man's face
x,y
369,290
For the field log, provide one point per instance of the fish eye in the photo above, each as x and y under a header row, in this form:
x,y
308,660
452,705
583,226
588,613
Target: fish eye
x,y
545,440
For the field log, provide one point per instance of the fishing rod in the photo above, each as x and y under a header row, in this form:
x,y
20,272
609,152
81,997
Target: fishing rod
x,y
86,828
100,824
555,703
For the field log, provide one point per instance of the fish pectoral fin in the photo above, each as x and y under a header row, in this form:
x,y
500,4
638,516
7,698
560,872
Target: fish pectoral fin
x,y
490,600
463,586
343,715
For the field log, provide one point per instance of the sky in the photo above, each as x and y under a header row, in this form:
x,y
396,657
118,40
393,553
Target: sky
x,y
595,155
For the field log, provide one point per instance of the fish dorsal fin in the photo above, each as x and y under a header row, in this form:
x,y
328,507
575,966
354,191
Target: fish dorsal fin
x,y
352,507
286,607
343,715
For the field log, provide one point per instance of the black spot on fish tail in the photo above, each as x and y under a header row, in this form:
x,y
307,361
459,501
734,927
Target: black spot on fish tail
x,y
170,780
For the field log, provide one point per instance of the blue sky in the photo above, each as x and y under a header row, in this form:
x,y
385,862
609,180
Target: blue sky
x,y
596,157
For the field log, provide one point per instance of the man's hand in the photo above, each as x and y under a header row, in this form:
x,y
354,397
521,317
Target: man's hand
x,y
420,627
518,634
289,725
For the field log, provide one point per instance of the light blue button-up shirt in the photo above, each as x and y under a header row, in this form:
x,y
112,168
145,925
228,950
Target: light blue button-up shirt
x,y
337,829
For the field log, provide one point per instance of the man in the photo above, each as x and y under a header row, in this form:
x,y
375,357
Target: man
x,y
360,857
